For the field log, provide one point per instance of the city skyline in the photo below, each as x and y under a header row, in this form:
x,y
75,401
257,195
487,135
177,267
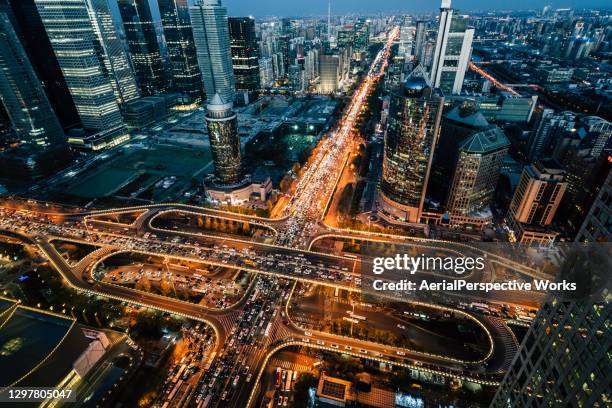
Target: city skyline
x,y
205,209
278,8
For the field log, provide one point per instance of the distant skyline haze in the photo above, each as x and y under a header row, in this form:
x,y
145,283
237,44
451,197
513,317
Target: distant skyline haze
x,y
293,8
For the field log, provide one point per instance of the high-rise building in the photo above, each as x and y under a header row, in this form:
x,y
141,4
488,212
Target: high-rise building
x,y
477,172
412,132
21,93
266,72
563,360
419,38
115,60
311,65
31,31
144,48
245,54
550,126
222,126
284,48
406,41
362,35
296,78
186,77
345,37
329,72
74,42
278,65
453,50
211,36
535,202
457,125
597,225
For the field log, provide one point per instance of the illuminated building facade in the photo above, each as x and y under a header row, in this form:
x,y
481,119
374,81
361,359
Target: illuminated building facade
x,y
114,58
74,42
186,76
597,226
211,36
564,359
412,132
31,32
245,53
477,172
535,202
222,126
452,50
142,42
26,104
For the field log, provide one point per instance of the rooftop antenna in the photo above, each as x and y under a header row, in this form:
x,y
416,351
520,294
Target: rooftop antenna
x,y
329,21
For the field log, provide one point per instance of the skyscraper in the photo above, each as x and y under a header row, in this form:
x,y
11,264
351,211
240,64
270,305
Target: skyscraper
x,y
550,127
27,106
477,172
535,202
362,35
186,75
74,42
224,140
457,125
453,50
296,78
597,225
211,36
407,34
266,72
143,46
346,37
31,32
115,60
413,127
245,53
419,38
329,72
564,359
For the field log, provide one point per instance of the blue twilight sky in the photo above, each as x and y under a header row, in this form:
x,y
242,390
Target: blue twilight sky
x,y
260,8
319,7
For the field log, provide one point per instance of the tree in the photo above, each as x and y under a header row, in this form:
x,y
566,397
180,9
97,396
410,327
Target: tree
x,y
165,286
144,284
303,383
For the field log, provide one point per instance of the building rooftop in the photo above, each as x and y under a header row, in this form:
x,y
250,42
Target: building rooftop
x,y
31,342
485,141
474,119
334,389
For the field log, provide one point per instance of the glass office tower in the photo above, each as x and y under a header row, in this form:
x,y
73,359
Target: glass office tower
x,y
186,75
143,45
245,53
211,36
26,104
414,125
76,47
114,58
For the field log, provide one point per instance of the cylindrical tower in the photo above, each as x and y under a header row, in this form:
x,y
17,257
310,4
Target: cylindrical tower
x,y
224,140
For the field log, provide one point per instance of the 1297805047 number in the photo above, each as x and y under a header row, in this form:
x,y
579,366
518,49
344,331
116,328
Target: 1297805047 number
x,y
37,394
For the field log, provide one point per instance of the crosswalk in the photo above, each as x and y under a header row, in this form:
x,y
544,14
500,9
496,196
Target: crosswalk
x,y
289,365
